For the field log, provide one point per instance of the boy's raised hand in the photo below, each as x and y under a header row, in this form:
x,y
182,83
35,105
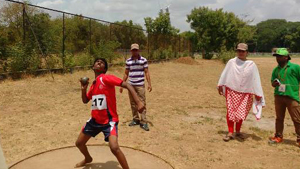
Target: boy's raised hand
x,y
84,85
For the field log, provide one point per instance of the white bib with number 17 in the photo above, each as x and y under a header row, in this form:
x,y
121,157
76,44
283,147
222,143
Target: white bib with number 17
x,y
99,102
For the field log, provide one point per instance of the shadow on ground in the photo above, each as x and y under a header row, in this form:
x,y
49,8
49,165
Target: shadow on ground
x,y
290,142
246,135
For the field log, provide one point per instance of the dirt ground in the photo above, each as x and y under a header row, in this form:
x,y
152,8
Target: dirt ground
x,y
103,159
186,114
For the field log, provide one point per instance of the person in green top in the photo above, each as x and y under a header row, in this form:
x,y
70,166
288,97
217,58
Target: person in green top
x,y
285,80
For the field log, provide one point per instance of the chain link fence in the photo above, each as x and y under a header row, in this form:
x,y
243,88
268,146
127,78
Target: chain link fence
x,y
34,38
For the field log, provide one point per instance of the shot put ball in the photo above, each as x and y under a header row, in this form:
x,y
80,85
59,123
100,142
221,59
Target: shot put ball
x,y
84,80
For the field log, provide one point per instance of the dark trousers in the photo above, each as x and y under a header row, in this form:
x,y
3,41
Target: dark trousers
x,y
281,104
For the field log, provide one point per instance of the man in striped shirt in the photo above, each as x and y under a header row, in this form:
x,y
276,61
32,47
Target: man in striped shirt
x,y
136,70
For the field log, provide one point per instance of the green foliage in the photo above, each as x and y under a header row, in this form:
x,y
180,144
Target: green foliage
x,y
45,34
161,32
21,60
105,49
52,62
225,56
295,40
185,53
3,43
145,54
129,34
69,61
277,33
208,56
77,34
247,33
83,59
193,38
161,24
268,34
80,59
42,38
163,54
215,29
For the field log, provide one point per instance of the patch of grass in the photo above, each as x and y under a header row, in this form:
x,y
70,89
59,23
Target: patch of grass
x,y
204,120
198,123
260,132
208,120
195,107
180,112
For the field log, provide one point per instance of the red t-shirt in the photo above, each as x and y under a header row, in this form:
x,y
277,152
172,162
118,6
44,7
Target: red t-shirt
x,y
103,96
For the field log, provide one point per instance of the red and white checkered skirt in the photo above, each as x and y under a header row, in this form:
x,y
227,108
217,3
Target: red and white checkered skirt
x,y
238,104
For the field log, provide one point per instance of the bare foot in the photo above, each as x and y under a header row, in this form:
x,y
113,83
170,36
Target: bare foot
x,y
84,162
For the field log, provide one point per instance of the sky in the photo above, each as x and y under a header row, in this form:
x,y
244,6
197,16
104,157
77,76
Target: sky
x,y
137,10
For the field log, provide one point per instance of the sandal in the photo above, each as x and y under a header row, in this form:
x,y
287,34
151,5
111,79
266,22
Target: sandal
x,y
228,137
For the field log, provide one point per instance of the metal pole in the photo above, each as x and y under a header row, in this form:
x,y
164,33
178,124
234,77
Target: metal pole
x,y
90,36
132,40
110,32
24,24
110,59
63,42
179,44
148,37
189,47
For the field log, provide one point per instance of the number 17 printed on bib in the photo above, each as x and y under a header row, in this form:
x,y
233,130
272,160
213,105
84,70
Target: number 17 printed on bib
x,y
99,102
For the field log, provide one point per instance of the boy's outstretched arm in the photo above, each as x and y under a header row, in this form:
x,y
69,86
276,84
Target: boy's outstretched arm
x,y
84,98
139,103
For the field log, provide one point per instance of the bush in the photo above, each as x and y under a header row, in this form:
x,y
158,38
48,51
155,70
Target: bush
x,y
33,62
158,55
185,53
225,56
53,61
83,59
208,56
145,54
161,54
20,59
69,61
105,49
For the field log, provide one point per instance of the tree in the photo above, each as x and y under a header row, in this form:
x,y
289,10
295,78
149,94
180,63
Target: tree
x,y
295,40
3,43
216,30
277,33
43,33
269,34
128,34
192,37
160,30
161,24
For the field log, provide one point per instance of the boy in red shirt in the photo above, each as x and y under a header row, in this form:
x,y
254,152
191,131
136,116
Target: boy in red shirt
x,y
104,112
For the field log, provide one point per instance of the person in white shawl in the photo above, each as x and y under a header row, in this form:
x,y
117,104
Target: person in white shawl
x,y
239,82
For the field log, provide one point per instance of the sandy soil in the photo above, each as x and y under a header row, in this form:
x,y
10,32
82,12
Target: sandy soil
x,y
103,159
186,113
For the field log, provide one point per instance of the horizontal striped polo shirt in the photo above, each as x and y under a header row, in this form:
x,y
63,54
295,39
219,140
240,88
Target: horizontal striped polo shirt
x,y
136,70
